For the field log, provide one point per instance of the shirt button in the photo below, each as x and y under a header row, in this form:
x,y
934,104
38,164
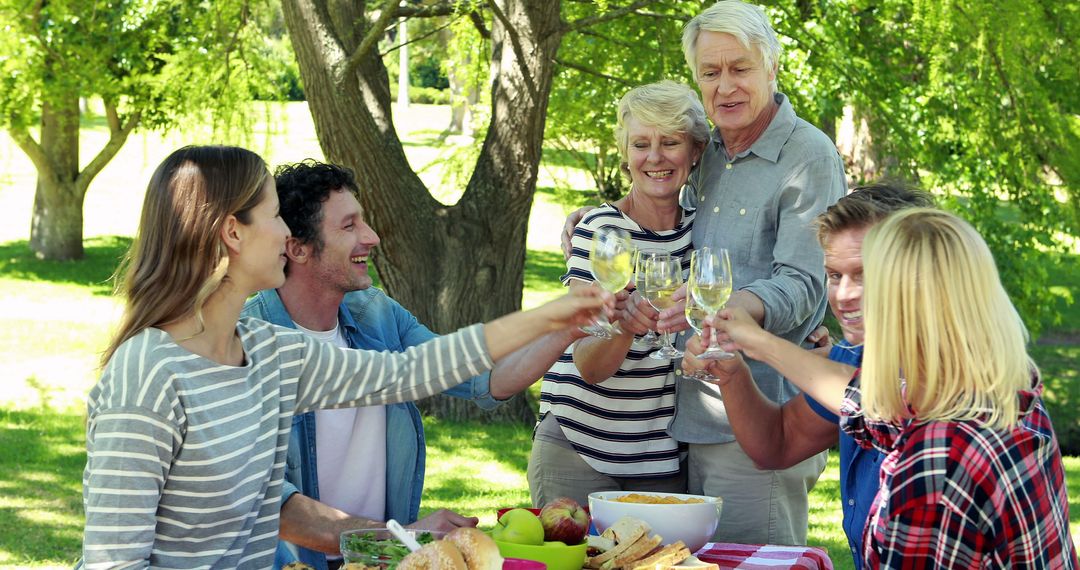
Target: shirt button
x,y
702,198
851,502
716,210
728,166
678,371
742,211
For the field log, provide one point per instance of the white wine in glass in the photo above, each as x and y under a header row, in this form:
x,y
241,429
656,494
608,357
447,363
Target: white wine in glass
x,y
650,339
611,260
711,286
663,276
695,316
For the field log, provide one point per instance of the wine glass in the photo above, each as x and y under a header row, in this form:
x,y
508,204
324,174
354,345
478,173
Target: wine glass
x,y
611,263
650,339
663,276
695,315
710,285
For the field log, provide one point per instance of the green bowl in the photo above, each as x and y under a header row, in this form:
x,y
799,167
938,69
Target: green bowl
x,y
557,555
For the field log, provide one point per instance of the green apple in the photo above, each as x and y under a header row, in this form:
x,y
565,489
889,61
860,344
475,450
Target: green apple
x,y
519,526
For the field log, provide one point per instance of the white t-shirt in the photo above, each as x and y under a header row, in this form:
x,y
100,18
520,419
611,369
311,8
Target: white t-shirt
x,y
350,448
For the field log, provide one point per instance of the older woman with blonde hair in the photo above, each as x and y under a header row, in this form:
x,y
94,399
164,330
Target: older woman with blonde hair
x,y
605,406
188,427
973,476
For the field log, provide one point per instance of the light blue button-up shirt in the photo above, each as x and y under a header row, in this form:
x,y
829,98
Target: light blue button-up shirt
x,y
761,206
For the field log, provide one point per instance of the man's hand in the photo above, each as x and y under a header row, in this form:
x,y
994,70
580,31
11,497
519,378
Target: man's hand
x,y
673,318
637,316
443,520
821,341
568,228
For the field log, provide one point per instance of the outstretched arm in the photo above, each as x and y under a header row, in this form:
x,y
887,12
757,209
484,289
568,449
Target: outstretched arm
x,y
822,379
774,436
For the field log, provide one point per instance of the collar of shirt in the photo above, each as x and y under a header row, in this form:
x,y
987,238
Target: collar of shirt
x,y
771,141
278,315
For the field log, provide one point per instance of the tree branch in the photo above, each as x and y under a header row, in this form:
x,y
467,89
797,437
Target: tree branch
x,y
118,135
583,69
478,23
371,38
33,150
423,37
607,16
599,36
426,11
519,52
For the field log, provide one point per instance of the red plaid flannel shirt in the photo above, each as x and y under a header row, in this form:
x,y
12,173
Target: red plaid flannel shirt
x,y
961,495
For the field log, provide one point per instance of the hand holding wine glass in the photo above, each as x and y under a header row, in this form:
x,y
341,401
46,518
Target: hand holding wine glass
x,y
663,276
695,316
650,339
610,258
710,286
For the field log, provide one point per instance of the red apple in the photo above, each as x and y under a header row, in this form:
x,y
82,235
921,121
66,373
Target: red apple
x,y
565,521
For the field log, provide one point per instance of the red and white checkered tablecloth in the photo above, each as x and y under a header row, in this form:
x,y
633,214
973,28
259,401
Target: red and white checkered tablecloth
x,y
764,556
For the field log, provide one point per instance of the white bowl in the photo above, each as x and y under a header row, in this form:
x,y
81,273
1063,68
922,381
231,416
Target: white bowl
x,y
692,523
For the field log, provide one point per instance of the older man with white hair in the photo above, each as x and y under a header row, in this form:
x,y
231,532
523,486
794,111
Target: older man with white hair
x,y
762,180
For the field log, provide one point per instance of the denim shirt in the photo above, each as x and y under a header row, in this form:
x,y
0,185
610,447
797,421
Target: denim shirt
x,y
860,468
370,320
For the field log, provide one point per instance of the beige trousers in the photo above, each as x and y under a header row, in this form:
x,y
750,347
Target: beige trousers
x,y
760,507
556,471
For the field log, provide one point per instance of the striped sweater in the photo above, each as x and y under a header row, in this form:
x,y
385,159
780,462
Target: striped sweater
x,y
186,457
619,426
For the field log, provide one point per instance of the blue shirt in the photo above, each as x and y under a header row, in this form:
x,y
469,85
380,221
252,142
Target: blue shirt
x,y
860,468
370,320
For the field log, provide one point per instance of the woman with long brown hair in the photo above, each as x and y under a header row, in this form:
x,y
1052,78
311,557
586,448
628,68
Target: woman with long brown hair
x,y
188,426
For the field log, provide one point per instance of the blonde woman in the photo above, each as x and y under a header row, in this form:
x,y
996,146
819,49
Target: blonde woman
x,y
605,405
973,476
189,424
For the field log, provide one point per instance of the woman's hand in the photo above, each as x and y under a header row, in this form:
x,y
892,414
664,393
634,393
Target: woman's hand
x,y
735,329
579,307
637,315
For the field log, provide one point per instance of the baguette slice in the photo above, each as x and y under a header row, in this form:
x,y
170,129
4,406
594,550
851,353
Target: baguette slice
x,y
693,563
667,556
640,549
625,532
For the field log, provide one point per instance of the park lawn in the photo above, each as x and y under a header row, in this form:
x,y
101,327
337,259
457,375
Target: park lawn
x,y
472,468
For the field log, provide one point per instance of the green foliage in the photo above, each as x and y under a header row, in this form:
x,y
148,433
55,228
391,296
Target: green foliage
x,y
1061,394
967,98
428,73
423,95
974,100
598,64
164,60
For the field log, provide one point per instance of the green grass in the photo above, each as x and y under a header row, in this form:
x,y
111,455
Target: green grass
x,y
40,487
473,469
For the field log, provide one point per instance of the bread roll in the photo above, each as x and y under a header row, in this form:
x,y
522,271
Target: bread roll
x,y
438,555
478,549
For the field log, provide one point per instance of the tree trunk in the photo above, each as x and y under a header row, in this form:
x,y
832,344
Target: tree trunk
x,y
56,229
450,265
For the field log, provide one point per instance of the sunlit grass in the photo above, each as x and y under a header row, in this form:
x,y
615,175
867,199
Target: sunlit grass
x,y
40,487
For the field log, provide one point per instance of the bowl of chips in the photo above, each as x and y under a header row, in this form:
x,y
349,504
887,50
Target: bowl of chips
x,y
674,516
